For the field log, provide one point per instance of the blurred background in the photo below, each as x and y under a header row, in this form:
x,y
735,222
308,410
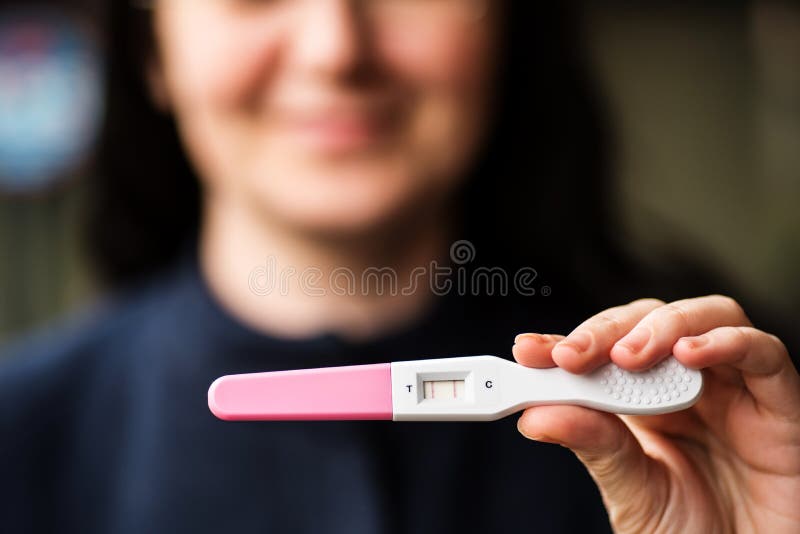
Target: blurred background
x,y
705,98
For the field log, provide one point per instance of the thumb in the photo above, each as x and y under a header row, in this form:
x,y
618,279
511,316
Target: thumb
x,y
634,487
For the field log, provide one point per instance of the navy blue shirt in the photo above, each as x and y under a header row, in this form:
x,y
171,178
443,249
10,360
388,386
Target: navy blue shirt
x,y
104,427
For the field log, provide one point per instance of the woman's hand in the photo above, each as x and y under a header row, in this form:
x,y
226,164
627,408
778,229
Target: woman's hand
x,y
731,463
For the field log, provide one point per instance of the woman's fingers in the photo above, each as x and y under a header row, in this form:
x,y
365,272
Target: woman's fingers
x,y
587,347
533,350
762,359
654,336
633,485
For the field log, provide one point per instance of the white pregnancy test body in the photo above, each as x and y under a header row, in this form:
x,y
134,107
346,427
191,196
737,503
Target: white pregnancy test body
x,y
485,388
475,388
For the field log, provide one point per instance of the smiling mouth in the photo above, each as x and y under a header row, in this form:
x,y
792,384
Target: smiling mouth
x,y
340,131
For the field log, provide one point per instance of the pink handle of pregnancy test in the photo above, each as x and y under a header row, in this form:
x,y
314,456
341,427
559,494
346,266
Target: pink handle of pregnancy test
x,y
337,393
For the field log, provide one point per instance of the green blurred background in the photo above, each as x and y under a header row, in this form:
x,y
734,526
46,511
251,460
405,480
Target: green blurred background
x,y
706,98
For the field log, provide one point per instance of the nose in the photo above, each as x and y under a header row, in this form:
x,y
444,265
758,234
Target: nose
x,y
330,39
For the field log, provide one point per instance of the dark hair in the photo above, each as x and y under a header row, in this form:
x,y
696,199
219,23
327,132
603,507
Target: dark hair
x,y
143,200
540,193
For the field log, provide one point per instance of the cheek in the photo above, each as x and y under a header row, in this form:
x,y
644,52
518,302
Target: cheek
x,y
226,68
213,83
444,57
448,71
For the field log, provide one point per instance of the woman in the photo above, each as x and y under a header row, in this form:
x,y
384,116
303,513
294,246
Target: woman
x,y
348,135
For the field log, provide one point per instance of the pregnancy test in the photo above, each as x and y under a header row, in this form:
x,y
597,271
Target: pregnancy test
x,y
473,388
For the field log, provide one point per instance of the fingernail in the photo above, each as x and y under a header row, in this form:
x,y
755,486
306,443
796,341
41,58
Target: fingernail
x,y
534,437
580,341
636,340
525,336
696,342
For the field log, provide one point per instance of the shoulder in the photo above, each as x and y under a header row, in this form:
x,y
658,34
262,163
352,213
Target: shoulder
x,y
67,345
64,394
43,376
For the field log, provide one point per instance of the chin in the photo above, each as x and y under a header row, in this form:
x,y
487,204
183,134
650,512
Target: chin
x,y
339,207
345,217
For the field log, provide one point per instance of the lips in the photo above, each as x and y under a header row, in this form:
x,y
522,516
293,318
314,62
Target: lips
x,y
336,133
338,128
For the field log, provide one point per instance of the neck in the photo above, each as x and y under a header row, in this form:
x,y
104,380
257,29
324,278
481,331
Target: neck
x,y
293,285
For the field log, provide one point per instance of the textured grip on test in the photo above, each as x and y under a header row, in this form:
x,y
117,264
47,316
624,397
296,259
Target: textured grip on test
x,y
660,385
